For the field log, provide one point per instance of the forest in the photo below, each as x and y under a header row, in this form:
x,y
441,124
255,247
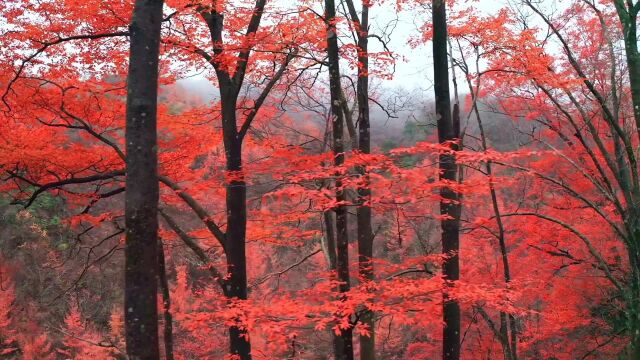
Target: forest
x,y
319,179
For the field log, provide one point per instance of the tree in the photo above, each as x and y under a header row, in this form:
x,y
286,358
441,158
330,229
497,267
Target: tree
x,y
587,136
364,217
141,196
255,187
230,80
344,339
450,207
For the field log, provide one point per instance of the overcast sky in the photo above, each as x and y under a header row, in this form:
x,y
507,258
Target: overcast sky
x,y
414,65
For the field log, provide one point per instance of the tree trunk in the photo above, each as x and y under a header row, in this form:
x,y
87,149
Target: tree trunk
x,y
236,284
449,205
633,291
627,13
166,304
141,198
364,213
628,17
344,343
329,241
508,332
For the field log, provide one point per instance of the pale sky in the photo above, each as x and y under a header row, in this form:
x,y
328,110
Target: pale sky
x,y
414,65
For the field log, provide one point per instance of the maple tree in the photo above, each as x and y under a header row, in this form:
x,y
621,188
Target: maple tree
x,y
278,195
365,233
344,338
450,206
141,183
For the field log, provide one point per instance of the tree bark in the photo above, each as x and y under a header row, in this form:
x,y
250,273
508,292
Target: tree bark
x,y
141,198
235,240
508,329
448,131
508,332
343,344
364,212
166,303
628,13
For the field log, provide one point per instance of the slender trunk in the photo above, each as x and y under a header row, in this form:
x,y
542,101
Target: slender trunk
x,y
508,332
633,318
628,18
449,205
362,142
332,261
504,336
141,198
364,212
633,292
627,13
343,344
342,257
329,243
236,284
166,304
329,246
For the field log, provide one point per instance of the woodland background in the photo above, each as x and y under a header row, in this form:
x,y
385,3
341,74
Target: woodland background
x,y
303,207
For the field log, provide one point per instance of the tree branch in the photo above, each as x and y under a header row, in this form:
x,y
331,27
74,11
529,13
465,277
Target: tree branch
x,y
265,93
193,245
58,184
197,208
47,45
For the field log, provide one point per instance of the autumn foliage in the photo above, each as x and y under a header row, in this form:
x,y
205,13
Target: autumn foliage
x,y
548,180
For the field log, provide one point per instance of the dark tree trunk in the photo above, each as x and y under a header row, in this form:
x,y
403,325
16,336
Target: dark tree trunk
x,y
329,246
508,330
141,198
448,130
628,13
343,343
236,284
364,214
166,304
236,191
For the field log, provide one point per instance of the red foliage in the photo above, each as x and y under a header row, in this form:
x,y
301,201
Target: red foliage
x,y
62,132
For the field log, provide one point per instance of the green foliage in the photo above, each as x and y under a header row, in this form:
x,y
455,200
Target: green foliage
x,y
414,131
46,209
388,145
46,213
612,313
